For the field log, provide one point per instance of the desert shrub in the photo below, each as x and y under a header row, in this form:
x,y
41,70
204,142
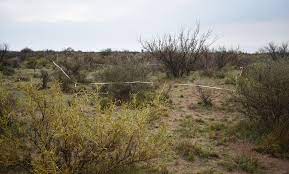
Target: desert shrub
x,y
230,79
23,77
130,69
44,78
7,70
243,162
264,97
178,53
204,96
67,84
277,52
3,52
106,52
68,51
7,104
212,61
26,50
32,64
220,74
224,57
54,136
43,62
72,66
190,150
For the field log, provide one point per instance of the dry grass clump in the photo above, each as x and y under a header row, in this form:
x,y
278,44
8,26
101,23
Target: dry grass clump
x,y
190,150
48,134
244,162
204,96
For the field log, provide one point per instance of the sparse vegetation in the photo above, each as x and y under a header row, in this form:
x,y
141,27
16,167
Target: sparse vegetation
x,y
190,150
204,96
244,162
93,121
277,52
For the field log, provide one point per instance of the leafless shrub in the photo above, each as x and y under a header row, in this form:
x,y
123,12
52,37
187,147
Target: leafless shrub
x,y
6,70
277,51
3,51
178,53
204,96
68,51
225,57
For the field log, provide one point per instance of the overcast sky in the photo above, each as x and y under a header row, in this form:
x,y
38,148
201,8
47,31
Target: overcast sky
x,y
94,24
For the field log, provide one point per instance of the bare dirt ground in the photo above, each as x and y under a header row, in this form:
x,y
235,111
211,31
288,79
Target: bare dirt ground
x,y
206,127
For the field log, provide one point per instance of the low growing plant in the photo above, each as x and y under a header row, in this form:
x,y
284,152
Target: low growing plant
x,y
48,134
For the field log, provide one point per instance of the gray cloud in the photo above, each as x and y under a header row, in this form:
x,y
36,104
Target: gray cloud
x,y
93,24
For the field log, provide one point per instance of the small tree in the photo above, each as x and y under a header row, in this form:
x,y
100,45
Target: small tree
x,y
178,53
68,51
26,52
